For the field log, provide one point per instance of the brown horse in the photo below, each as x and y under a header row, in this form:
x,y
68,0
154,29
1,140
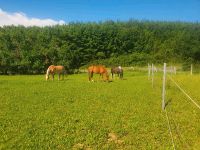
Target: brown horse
x,y
55,69
117,70
98,70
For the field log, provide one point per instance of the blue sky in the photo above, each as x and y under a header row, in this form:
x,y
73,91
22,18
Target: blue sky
x,y
101,10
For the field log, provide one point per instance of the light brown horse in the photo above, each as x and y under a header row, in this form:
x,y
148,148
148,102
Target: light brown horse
x,y
55,69
98,70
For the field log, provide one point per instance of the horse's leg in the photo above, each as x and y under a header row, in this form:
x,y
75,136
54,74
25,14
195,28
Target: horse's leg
x,y
100,76
103,76
90,75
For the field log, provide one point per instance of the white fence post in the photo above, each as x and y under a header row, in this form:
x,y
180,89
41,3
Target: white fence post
x,y
174,70
149,71
191,69
152,73
171,70
163,90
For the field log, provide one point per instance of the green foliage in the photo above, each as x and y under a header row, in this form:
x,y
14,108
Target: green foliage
x,y
31,49
125,60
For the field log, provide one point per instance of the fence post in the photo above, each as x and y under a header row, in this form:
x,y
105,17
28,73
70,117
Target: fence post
x,y
171,70
163,90
152,73
191,69
174,70
149,71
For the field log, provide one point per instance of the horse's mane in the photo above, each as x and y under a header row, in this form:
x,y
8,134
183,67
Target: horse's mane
x,y
48,70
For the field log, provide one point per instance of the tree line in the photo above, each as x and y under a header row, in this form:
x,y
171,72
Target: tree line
x,y
30,50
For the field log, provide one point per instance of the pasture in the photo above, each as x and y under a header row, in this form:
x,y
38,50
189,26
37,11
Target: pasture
x,y
77,114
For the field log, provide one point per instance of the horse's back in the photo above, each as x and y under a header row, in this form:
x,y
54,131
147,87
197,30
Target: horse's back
x,y
97,69
56,68
60,67
101,69
116,69
94,69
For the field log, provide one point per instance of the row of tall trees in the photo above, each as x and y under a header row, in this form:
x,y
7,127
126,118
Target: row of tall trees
x,y
30,50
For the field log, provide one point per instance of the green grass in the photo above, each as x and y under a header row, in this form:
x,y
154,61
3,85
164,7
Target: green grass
x,y
77,114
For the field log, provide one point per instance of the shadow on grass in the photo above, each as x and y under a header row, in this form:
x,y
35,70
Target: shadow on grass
x,y
168,102
112,80
57,80
100,81
124,79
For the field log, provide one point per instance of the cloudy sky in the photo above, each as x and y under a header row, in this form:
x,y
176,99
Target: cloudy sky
x,y
20,18
51,12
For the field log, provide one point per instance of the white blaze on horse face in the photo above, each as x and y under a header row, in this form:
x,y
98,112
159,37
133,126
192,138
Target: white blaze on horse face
x,y
120,67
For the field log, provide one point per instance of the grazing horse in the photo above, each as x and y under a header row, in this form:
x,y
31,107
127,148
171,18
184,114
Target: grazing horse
x,y
117,70
55,69
98,70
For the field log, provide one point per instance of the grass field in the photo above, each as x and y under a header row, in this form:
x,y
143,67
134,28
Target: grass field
x,y
75,114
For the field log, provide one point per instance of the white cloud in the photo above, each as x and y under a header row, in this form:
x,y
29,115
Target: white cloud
x,y
19,18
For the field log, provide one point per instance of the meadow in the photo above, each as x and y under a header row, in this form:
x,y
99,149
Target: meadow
x,y
77,114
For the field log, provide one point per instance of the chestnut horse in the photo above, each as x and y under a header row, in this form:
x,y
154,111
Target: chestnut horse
x,y
117,70
98,70
55,69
